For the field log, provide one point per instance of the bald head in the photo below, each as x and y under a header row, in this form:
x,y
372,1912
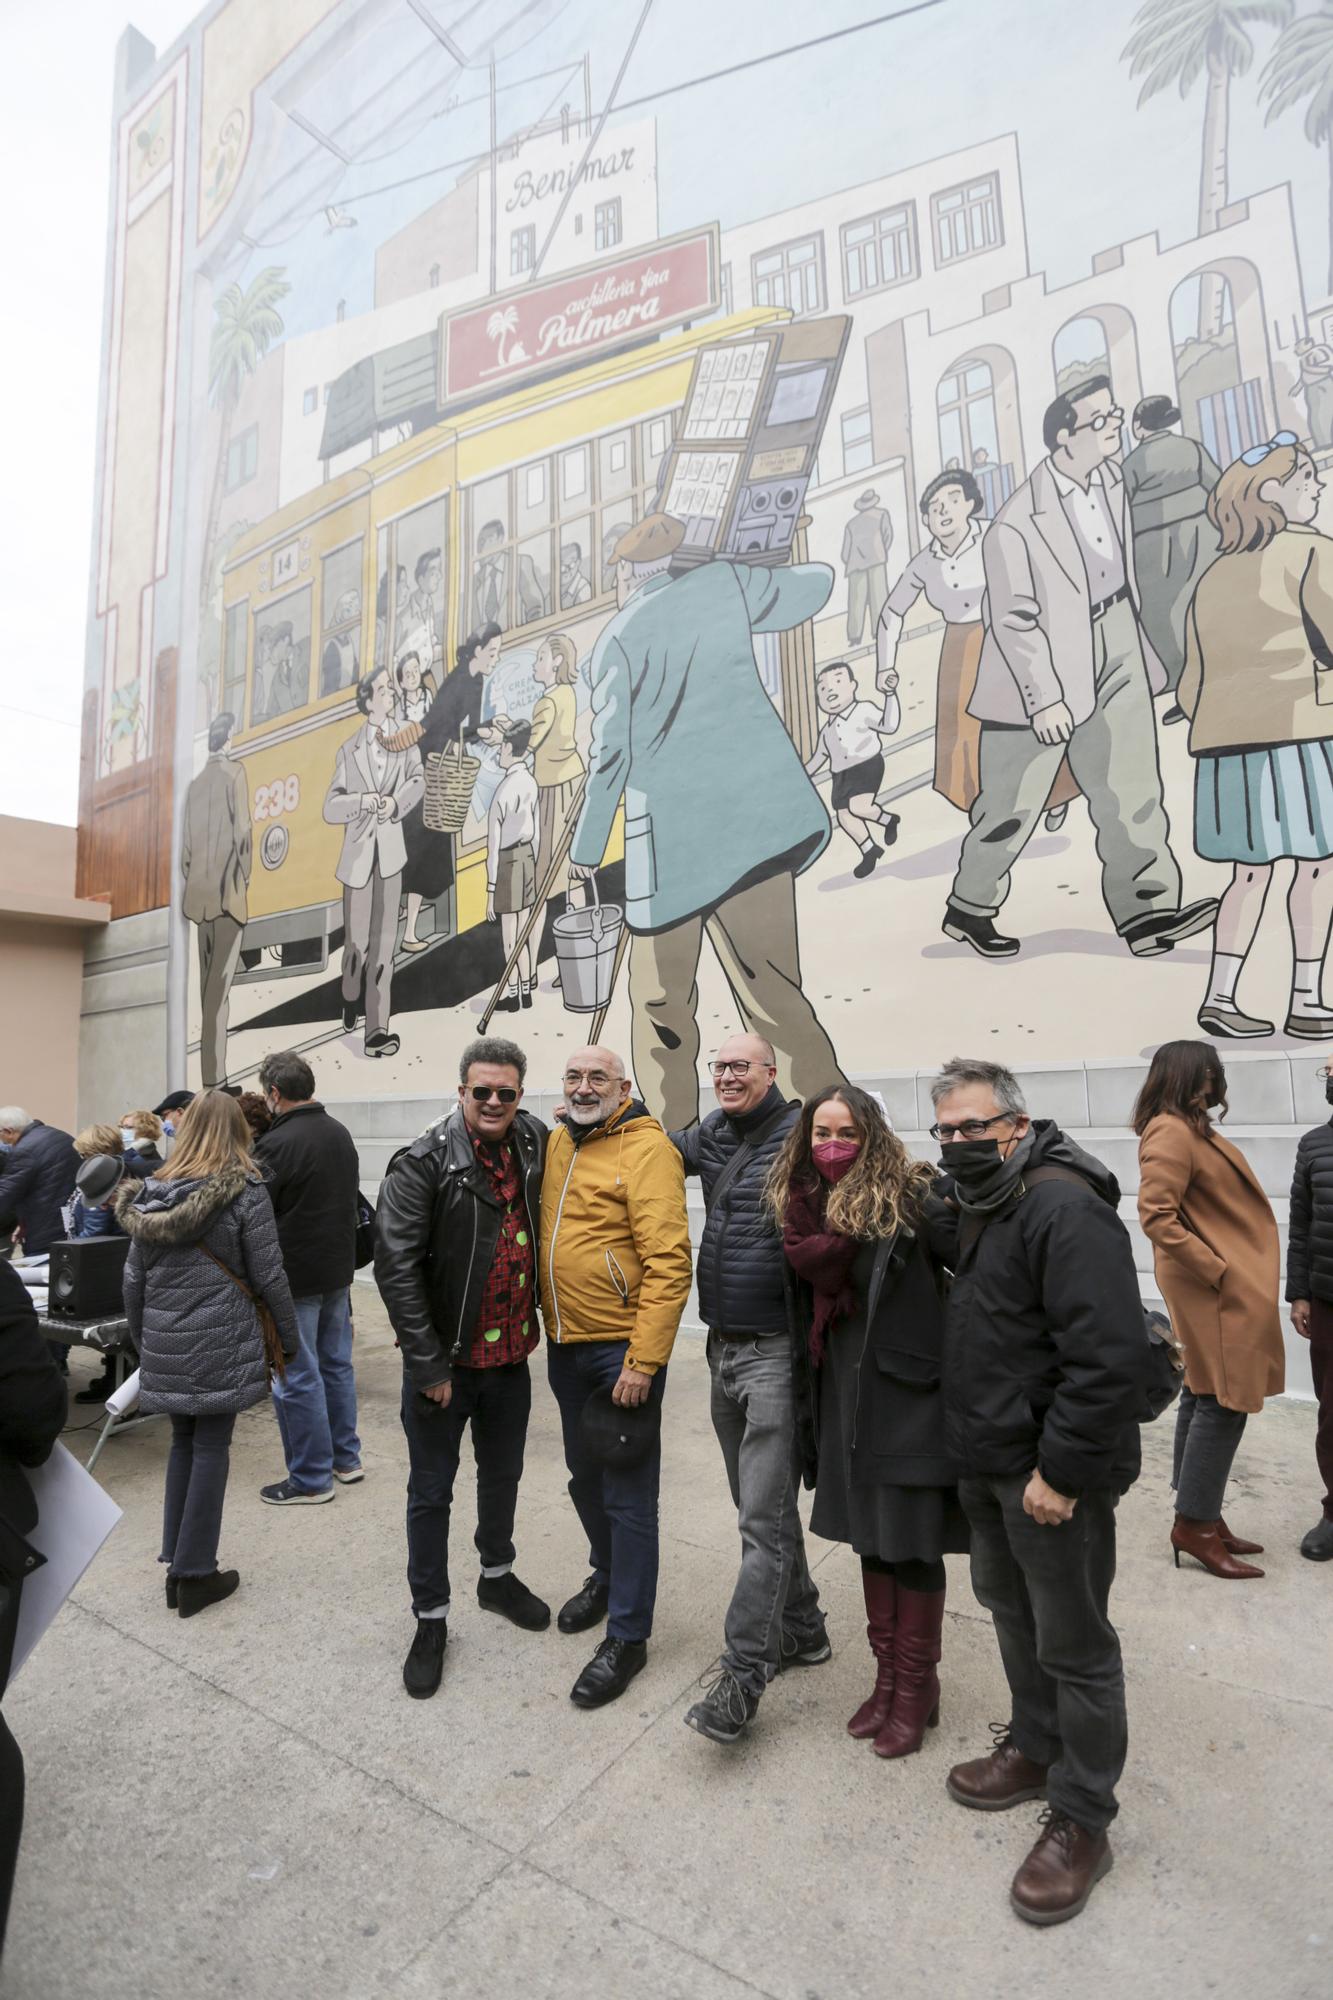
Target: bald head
x,y
744,1071
595,1085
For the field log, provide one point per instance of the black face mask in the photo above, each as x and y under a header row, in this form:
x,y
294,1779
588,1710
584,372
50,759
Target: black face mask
x,y
1328,1090
970,1159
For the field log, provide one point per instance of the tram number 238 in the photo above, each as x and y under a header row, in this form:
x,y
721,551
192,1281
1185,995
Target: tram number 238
x,y
282,796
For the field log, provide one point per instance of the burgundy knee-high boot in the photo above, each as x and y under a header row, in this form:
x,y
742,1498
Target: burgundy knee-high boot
x,y
881,1595
916,1687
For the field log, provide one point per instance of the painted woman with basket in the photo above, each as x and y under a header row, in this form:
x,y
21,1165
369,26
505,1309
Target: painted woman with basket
x,y
203,1276
451,726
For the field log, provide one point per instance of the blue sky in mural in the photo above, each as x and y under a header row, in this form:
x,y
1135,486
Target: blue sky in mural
x,y
891,96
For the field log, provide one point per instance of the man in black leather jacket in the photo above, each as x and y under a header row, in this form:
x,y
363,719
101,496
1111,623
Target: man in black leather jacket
x,y
456,1265
774,1619
32,1411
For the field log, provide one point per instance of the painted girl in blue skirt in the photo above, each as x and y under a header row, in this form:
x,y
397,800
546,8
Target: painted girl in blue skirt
x,y
1258,689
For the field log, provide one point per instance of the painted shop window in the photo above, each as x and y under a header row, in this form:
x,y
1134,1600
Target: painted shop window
x,y
340,616
310,402
879,251
857,450
969,430
233,660
242,458
281,677
522,249
434,276
606,224
725,294
409,593
967,219
791,275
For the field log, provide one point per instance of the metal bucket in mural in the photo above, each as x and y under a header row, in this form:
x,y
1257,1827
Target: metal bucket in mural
x,y
586,942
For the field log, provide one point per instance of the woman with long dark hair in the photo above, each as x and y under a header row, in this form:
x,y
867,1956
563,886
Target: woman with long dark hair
x,y
1215,1253
857,1214
203,1259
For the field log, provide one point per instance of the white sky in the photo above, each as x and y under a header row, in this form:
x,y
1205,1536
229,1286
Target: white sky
x,y
55,226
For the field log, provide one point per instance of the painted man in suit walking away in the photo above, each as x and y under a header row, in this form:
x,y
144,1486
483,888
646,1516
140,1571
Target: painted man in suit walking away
x,y
1065,669
372,792
720,816
216,852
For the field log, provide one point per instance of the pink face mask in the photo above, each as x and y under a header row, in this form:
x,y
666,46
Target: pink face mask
x,y
835,1157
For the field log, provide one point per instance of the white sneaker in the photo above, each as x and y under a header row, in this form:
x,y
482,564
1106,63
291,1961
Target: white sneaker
x,y
348,1475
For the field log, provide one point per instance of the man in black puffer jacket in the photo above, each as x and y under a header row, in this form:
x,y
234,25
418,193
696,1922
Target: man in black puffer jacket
x,y
1310,1292
774,1619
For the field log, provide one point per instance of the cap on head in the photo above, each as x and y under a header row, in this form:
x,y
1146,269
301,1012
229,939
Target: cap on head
x,y
654,539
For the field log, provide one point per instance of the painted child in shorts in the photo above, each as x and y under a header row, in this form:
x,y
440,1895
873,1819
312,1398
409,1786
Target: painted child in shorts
x,y
511,862
850,743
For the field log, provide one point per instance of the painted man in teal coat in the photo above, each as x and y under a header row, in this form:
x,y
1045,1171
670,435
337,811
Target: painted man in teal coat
x,y
720,816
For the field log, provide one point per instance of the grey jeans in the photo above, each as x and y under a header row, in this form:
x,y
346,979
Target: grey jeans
x,y
1206,1438
196,1488
754,1417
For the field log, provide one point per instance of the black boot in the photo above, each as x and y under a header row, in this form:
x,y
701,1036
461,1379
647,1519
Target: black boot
x,y
979,932
425,1662
196,1593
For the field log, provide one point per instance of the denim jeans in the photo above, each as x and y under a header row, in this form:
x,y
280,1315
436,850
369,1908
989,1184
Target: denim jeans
x,y
196,1488
1207,1435
315,1402
617,1505
755,1423
1047,1590
496,1402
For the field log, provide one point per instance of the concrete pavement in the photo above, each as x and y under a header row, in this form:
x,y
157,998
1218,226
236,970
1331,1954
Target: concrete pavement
x,y
246,1803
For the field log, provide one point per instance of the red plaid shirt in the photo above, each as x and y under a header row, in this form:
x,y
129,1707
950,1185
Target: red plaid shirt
x,y
506,1328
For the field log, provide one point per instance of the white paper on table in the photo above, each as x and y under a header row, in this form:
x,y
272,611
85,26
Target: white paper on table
x,y
74,1518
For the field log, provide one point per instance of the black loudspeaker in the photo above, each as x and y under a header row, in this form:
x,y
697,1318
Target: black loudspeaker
x,y
86,1277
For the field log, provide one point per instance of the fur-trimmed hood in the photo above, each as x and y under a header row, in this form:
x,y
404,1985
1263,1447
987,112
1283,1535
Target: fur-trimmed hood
x,y
164,1213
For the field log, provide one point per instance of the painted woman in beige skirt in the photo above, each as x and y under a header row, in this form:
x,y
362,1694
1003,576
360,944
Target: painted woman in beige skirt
x,y
557,765
948,573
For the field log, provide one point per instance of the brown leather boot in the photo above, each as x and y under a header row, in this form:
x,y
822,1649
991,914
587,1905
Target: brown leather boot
x,y
1202,1540
1237,1543
1061,1872
881,1596
916,1685
1005,1778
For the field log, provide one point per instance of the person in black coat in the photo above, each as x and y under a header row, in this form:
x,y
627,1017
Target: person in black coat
x,y
1310,1293
32,1413
774,1618
857,1219
309,1163
1045,1363
36,1179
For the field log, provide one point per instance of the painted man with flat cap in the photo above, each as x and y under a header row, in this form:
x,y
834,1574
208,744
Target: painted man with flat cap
x,y
720,817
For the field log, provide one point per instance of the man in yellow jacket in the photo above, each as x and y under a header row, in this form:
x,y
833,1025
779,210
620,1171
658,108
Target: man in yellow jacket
x,y
615,1276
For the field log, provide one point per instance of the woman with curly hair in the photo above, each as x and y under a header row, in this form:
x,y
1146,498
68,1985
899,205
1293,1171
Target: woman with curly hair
x,y
865,1239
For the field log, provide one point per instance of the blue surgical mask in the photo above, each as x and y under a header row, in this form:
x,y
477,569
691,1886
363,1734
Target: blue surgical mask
x,y
128,1135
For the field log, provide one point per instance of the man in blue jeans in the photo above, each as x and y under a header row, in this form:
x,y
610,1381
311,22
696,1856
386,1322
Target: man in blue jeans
x,y
312,1172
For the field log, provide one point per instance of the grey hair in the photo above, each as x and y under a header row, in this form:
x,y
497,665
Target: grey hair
x,y
494,1049
289,1074
1001,1082
13,1118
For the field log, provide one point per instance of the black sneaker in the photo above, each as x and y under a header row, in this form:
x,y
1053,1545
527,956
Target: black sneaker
x,y
727,1709
196,1593
803,1649
979,932
514,1601
284,1494
425,1661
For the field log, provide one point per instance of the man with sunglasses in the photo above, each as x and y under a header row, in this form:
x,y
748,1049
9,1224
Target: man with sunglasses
x,y
1065,669
1044,1365
774,1619
456,1264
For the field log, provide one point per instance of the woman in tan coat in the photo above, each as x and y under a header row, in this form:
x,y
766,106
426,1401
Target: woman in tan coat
x,y
1216,1257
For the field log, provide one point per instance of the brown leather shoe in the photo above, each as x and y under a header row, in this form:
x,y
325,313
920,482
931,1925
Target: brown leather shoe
x,y
1237,1544
1005,1778
1203,1541
1061,1872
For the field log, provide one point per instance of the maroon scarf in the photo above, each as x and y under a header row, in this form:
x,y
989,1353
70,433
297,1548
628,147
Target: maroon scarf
x,y
823,1258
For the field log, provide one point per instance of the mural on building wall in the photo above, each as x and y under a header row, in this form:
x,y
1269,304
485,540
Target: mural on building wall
x,y
614,598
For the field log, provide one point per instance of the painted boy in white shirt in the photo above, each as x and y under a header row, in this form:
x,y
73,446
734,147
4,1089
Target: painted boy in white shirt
x,y
511,863
850,743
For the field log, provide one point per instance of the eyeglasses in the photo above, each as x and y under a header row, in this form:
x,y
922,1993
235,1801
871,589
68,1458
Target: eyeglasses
x,y
596,1078
1324,1072
1099,423
1257,453
736,1069
482,1093
971,1128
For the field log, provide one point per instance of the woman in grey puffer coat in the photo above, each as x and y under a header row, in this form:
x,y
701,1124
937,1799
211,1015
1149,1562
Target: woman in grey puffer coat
x,y
202,1240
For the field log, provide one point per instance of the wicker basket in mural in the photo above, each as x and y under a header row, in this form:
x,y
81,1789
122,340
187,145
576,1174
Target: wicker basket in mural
x,y
450,777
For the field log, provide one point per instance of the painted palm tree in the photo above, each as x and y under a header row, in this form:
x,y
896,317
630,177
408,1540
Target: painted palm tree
x,y
1301,67
1177,42
501,324
245,325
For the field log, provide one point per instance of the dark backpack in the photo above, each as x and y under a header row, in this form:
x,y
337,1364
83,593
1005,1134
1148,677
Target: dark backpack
x,y
365,1231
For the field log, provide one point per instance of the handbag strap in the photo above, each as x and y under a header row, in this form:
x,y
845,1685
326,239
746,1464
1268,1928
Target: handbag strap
x,y
239,1283
749,1145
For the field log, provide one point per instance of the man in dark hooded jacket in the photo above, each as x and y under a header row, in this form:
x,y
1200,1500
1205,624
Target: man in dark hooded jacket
x,y
1044,1372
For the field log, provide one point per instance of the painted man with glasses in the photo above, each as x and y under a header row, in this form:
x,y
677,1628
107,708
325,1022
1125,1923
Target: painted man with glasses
x,y
456,1264
1065,670
774,1618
